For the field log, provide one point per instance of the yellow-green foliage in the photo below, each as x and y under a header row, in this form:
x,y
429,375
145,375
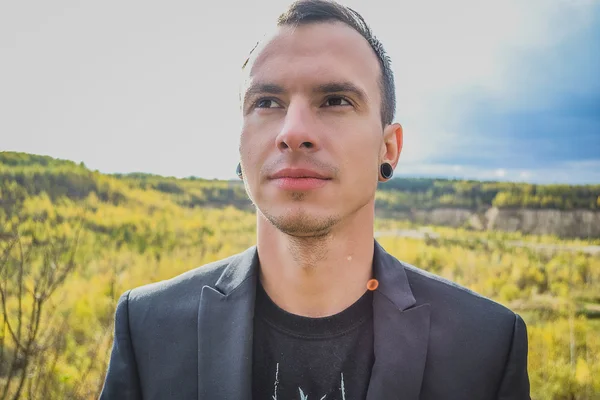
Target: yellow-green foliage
x,y
136,230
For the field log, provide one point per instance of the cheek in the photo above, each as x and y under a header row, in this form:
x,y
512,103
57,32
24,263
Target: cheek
x,y
360,152
245,145
255,144
250,143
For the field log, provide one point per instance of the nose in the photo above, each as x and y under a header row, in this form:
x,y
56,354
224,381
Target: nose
x,y
298,132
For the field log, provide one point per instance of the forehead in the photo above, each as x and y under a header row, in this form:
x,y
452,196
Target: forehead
x,y
315,53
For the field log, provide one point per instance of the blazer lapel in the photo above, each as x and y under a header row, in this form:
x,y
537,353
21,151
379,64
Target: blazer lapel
x,y
226,313
225,319
401,333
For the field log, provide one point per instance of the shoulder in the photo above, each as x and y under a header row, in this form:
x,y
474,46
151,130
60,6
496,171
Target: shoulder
x,y
462,320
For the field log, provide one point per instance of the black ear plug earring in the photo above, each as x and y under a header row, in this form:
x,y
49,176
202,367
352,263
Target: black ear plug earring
x,y
386,170
238,171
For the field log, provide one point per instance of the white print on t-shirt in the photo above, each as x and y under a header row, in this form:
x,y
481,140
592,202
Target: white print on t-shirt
x,y
301,392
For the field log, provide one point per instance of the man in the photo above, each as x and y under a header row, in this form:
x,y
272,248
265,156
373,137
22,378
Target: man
x,y
292,317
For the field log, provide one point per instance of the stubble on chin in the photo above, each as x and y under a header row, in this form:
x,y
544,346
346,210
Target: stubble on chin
x,y
298,196
308,236
300,225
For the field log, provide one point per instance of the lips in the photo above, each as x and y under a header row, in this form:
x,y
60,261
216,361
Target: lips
x,y
298,173
299,179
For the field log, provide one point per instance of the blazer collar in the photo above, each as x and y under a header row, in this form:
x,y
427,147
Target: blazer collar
x,y
393,282
243,267
225,321
401,333
225,325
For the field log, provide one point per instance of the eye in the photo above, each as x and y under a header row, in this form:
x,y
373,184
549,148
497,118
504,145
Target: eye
x,y
336,101
267,103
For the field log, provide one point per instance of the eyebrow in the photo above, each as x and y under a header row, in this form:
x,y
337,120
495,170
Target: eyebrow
x,y
337,87
262,88
326,88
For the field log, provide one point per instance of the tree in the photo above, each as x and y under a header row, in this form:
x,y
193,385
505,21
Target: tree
x,y
34,263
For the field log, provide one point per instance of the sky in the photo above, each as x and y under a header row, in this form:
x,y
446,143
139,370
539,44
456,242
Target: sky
x,y
490,90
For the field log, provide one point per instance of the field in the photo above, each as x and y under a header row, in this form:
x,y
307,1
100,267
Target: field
x,y
69,248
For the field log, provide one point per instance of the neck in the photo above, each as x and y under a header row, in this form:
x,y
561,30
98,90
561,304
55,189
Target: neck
x,y
317,276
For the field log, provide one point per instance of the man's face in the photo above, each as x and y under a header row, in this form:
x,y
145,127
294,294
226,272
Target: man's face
x,y
312,138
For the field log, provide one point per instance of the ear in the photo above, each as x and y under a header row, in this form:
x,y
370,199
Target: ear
x,y
392,144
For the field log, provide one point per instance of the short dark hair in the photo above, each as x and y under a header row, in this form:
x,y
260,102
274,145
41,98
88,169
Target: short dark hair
x,y
304,12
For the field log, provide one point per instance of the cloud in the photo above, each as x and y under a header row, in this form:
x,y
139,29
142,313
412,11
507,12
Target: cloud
x,y
473,92
574,172
481,86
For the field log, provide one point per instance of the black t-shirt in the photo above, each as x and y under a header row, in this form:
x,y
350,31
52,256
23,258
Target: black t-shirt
x,y
304,358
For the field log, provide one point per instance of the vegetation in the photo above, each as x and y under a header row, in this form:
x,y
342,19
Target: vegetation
x,y
404,194
72,240
65,178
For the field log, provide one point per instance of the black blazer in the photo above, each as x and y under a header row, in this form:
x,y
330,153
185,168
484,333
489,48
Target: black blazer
x,y
190,337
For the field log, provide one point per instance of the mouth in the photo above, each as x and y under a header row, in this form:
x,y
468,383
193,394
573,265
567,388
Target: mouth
x,y
299,179
298,173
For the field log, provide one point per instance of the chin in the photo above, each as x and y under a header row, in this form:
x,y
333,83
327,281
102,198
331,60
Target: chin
x,y
301,222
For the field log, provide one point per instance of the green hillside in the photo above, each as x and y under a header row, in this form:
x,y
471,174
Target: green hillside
x,y
431,193
61,177
72,240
